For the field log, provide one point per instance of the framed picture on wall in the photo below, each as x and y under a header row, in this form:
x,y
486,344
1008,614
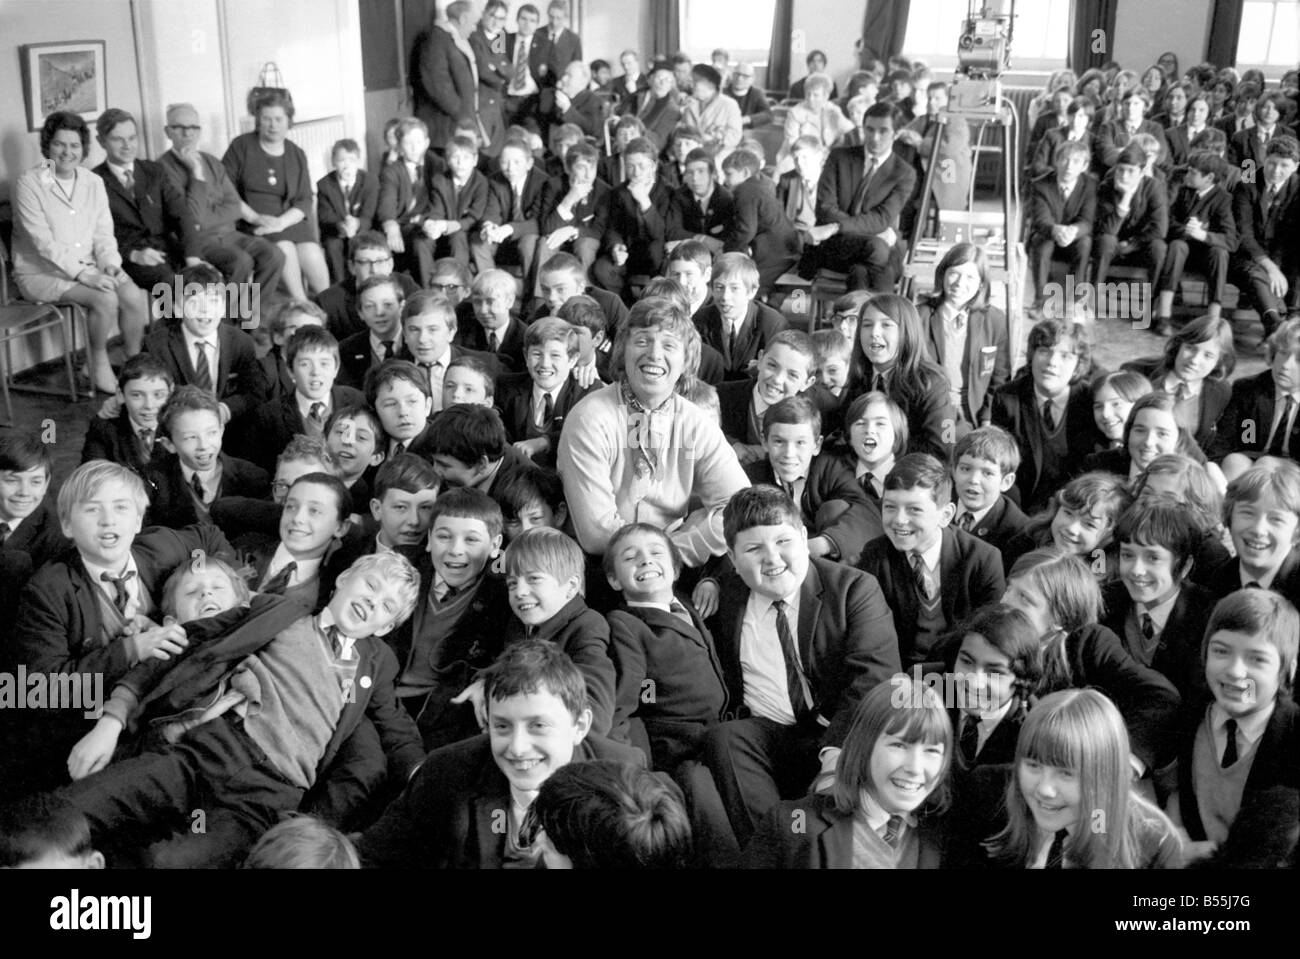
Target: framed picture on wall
x,y
63,76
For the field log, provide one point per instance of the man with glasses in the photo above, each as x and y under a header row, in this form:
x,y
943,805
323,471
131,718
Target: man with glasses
x,y
216,206
368,255
755,111
452,279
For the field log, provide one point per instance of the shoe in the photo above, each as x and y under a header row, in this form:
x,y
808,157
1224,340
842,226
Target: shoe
x,y
101,376
1163,327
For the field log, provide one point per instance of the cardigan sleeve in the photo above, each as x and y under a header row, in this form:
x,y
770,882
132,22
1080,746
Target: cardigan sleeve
x,y
587,460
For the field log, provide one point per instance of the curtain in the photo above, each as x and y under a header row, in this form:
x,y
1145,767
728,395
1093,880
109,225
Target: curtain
x,y
778,60
1225,31
666,27
884,28
1089,17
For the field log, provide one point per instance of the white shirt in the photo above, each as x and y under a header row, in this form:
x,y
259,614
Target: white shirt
x,y
1159,613
975,515
762,661
210,480
1058,405
377,347
110,590
121,171
539,406
305,571
877,475
528,86
305,405
436,372
1249,728
212,351
931,558
987,722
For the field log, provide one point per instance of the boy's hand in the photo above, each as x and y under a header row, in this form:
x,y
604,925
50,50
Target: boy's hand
x,y
94,750
1195,229
822,233
160,642
530,448
393,234
705,598
474,694
748,454
584,376
1194,851
562,236
350,226
619,254
111,407
147,256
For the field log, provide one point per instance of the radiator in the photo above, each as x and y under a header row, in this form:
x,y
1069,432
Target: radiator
x,y
315,138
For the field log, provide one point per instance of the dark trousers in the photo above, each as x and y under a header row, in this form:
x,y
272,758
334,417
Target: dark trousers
x,y
514,109
1252,280
1149,254
148,277
756,763
336,257
870,262
1210,260
241,257
216,784
1044,251
524,248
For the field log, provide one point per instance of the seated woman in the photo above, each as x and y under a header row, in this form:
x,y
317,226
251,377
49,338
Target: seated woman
x,y
64,248
270,172
815,116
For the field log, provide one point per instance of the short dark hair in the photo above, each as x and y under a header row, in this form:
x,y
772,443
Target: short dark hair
x,y
610,815
41,823
347,145
64,120
1161,519
1047,333
144,366
921,471
479,366
391,371
111,118
367,240
405,472
468,433
758,506
883,109
1255,612
990,443
186,399
465,502
21,451
531,666
585,312
527,484
342,497
793,410
632,529
352,411
310,339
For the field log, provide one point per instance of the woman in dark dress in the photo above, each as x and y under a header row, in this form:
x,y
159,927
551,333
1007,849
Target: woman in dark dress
x,y
271,174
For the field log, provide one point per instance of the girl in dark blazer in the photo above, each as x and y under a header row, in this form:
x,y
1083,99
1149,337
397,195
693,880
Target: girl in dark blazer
x,y
1079,735
1113,396
1063,599
1197,361
900,732
889,355
1151,430
962,278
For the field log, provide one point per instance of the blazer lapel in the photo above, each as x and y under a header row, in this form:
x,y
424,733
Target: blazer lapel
x,y
810,607
176,341
227,338
836,843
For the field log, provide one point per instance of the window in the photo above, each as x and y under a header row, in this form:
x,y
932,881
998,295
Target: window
x,y
742,27
1270,34
1039,35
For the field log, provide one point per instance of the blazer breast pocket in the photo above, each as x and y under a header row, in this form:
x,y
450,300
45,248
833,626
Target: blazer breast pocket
x,y
988,361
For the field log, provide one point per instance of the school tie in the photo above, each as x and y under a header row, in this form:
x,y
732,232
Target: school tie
x,y
196,484
1266,205
731,343
5,530
970,740
893,831
793,674
678,610
202,369
1230,750
1049,418
879,384
959,321
399,449
389,350
1148,627
444,593
494,344
965,521
278,583
924,582
121,596
516,204
1282,435
146,441
128,179
1182,391
1056,854
860,195
340,645
521,66
547,411
868,483
317,413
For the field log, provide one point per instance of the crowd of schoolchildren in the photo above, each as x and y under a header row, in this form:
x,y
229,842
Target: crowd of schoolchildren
x,y
601,563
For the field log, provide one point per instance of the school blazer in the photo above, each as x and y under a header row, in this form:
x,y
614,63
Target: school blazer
x,y
514,400
830,483
1000,748
1178,657
171,501
537,52
559,53
847,642
500,196
1244,145
1249,412
1148,216
987,360
1001,523
762,227
970,575
890,189
1113,137
789,193
40,535
238,379
1215,396
333,207
340,304
356,358
1261,836
611,305
399,201
510,347
650,645
1226,578
1015,410
115,440
1145,698
220,644
1271,236
761,323
58,613
468,208
642,232
450,816
689,221
1214,210
826,842
735,397
273,424
1043,162
1047,208
590,216
152,216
